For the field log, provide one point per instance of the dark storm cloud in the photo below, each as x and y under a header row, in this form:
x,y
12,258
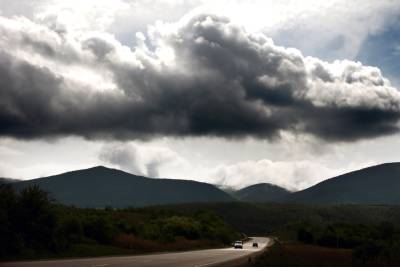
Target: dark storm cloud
x,y
219,81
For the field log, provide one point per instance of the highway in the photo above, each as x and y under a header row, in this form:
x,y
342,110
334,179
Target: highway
x,y
197,258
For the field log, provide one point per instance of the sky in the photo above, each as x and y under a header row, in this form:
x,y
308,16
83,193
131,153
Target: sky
x,y
229,92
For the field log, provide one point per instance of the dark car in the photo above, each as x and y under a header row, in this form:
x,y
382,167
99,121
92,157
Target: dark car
x,y
255,245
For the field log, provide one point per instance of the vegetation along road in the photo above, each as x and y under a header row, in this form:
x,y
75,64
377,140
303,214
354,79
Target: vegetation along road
x,y
197,258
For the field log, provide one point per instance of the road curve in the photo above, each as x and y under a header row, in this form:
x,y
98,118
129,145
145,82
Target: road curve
x,y
197,258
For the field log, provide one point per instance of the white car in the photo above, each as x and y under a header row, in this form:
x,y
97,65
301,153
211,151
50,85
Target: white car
x,y
238,244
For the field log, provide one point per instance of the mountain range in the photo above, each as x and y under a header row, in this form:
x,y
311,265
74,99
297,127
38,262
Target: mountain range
x,y
101,187
378,184
8,180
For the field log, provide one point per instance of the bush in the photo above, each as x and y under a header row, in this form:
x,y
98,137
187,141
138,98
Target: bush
x,y
69,232
305,236
100,229
129,241
178,226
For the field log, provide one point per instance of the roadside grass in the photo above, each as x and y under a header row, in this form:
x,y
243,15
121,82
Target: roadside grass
x,y
299,255
124,245
75,251
302,255
129,241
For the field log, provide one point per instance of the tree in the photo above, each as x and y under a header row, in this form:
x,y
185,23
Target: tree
x,y
35,219
305,236
10,241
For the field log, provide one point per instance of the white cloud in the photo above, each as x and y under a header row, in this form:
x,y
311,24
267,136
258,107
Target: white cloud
x,y
350,84
75,15
331,29
143,160
292,175
328,29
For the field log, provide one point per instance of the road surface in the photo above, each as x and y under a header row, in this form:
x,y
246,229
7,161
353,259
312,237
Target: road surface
x,y
197,258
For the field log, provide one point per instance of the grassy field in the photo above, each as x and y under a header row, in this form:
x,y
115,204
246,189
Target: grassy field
x,y
301,255
298,255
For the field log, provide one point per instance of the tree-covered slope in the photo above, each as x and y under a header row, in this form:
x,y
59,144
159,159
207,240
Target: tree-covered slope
x,y
378,184
263,192
100,187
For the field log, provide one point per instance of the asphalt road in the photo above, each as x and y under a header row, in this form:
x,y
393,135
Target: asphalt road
x,y
197,258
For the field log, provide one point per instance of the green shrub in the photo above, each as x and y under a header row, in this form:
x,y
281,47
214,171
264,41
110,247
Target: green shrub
x,y
100,229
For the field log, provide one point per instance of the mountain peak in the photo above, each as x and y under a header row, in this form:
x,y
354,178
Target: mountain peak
x,y
376,184
265,185
103,169
101,186
100,167
263,192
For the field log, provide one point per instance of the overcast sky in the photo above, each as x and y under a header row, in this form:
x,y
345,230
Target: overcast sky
x,y
228,92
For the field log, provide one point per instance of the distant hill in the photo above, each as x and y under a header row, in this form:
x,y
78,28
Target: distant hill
x,y
8,180
263,192
227,189
101,187
373,185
